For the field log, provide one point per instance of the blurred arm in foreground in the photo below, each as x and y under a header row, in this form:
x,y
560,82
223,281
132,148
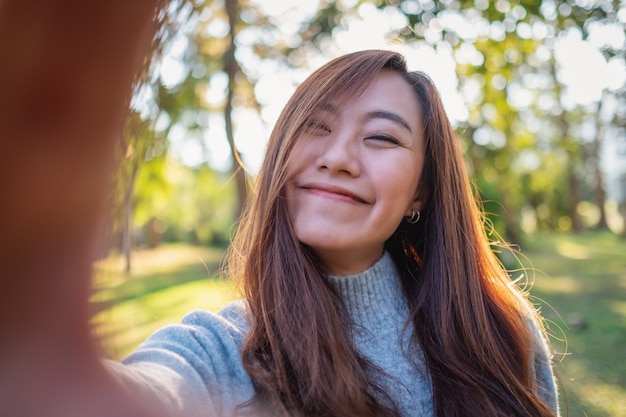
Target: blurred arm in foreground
x,y
66,78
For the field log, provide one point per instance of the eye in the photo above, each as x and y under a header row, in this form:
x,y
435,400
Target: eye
x,y
384,139
316,127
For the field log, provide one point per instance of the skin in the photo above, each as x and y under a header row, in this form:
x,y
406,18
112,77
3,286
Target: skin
x,y
65,80
355,173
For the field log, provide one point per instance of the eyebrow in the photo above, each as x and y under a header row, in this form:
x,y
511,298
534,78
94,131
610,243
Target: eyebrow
x,y
375,114
381,114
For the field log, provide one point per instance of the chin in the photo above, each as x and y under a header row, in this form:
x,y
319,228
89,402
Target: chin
x,y
323,244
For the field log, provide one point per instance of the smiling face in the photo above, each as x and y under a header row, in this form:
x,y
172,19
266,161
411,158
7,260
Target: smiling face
x,y
354,174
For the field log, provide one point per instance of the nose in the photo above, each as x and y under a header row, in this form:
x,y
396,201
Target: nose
x,y
340,155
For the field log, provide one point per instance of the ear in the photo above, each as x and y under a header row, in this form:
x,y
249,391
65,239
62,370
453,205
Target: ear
x,y
419,200
416,205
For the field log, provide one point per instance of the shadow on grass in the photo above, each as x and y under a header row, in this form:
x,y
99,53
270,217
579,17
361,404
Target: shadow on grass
x,y
113,286
168,283
581,282
124,326
143,286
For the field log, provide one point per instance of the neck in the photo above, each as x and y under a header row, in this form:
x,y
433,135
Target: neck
x,y
372,294
348,262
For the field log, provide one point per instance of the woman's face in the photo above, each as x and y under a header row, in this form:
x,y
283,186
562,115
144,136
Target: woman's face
x,y
354,174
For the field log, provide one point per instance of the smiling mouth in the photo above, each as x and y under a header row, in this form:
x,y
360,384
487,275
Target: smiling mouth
x,y
333,193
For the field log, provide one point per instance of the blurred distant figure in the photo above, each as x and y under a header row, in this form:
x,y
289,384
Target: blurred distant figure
x,y
66,75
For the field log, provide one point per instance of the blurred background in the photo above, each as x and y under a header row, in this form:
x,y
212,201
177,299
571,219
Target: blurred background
x,y
536,90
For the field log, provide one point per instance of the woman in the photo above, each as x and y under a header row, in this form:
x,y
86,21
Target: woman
x,y
370,286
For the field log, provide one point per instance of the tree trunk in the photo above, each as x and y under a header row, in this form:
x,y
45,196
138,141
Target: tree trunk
x,y
622,202
572,149
510,213
127,231
231,68
598,185
574,198
573,181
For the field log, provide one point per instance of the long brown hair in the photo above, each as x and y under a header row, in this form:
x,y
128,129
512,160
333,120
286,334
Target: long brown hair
x,y
470,323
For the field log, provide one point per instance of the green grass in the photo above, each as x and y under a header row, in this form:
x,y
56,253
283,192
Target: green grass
x,y
579,282
165,284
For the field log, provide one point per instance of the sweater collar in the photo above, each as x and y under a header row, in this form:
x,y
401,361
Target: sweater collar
x,y
375,292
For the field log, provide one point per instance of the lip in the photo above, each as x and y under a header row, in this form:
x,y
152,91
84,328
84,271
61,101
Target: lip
x,y
333,192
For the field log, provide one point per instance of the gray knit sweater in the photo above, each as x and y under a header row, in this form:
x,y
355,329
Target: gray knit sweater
x,y
194,368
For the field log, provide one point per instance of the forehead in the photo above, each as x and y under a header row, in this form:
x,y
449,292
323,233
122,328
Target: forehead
x,y
388,91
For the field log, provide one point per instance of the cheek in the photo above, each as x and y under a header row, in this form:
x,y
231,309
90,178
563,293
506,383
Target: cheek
x,y
400,184
299,158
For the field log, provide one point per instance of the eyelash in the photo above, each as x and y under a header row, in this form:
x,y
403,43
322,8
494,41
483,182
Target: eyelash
x,y
314,125
385,138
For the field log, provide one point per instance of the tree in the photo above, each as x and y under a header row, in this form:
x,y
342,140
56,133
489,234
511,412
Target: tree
x,y
139,142
518,118
210,55
232,69
511,79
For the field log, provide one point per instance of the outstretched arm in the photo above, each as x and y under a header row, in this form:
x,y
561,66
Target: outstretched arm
x,y
65,81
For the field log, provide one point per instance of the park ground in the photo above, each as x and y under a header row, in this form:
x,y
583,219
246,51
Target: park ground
x,y
578,282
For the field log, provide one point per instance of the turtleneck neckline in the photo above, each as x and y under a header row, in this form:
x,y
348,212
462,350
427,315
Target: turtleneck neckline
x,y
372,294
